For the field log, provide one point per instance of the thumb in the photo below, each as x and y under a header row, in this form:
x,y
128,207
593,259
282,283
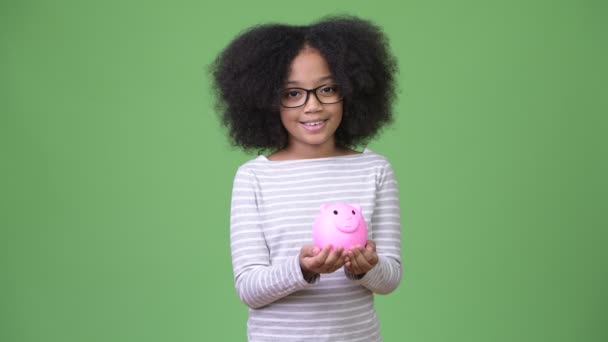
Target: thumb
x,y
371,246
309,251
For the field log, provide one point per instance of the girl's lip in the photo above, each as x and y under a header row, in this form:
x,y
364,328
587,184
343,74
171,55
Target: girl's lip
x,y
315,127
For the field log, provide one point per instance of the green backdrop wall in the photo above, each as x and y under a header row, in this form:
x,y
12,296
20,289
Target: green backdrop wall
x,y
116,175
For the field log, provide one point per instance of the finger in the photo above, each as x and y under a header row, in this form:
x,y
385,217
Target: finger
x,y
370,245
370,253
340,261
309,251
334,258
319,259
370,256
354,262
353,253
363,263
356,251
347,259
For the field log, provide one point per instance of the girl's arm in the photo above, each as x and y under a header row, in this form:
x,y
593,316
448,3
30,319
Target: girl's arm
x,y
258,283
385,276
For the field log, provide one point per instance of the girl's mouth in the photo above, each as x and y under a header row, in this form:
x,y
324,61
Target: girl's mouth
x,y
313,125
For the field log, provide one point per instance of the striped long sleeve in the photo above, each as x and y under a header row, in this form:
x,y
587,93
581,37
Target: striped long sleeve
x,y
386,275
257,280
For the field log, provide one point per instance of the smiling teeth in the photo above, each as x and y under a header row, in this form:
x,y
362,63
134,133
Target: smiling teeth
x,y
313,123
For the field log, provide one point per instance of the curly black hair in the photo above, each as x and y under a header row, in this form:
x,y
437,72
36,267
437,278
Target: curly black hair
x,y
248,73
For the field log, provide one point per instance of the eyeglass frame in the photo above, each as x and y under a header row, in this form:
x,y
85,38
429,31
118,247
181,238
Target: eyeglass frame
x,y
308,91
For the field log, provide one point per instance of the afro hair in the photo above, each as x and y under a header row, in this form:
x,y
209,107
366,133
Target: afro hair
x,y
248,73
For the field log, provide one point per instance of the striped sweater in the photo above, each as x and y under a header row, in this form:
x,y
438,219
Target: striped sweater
x,y
273,207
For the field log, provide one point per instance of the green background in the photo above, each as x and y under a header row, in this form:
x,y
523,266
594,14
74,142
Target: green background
x,y
116,176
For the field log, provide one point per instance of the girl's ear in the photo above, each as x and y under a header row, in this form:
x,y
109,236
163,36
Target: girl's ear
x,y
324,207
356,206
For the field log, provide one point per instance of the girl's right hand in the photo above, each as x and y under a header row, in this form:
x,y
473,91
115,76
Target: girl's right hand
x,y
314,260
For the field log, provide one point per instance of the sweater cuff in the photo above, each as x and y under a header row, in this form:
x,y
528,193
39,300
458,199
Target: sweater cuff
x,y
372,277
297,275
353,276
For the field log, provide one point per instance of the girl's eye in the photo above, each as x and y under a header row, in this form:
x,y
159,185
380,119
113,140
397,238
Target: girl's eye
x,y
335,212
328,89
292,94
353,212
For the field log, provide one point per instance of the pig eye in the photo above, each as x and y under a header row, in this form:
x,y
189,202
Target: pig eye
x,y
335,212
353,212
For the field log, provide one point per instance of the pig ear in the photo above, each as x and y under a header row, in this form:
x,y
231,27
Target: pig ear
x,y
324,207
356,206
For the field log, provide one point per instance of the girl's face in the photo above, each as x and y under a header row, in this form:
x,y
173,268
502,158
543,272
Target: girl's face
x,y
311,126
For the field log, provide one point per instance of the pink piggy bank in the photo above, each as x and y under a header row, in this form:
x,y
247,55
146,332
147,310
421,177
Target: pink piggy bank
x,y
339,225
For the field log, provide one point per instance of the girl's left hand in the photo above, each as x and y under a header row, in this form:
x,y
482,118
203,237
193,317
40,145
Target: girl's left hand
x,y
359,260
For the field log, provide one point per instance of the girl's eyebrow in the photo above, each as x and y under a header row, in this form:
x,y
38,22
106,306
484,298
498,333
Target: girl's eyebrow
x,y
324,78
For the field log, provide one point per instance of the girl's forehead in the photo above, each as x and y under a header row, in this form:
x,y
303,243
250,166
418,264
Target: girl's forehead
x,y
321,80
308,67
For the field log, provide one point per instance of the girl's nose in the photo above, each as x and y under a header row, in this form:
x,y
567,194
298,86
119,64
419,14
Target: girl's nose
x,y
312,105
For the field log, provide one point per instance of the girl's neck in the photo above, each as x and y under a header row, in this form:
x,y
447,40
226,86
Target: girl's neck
x,y
293,152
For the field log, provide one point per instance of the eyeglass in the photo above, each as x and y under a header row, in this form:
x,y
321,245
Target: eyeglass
x,y
297,97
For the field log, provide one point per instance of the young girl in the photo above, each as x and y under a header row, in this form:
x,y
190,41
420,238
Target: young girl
x,y
308,94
